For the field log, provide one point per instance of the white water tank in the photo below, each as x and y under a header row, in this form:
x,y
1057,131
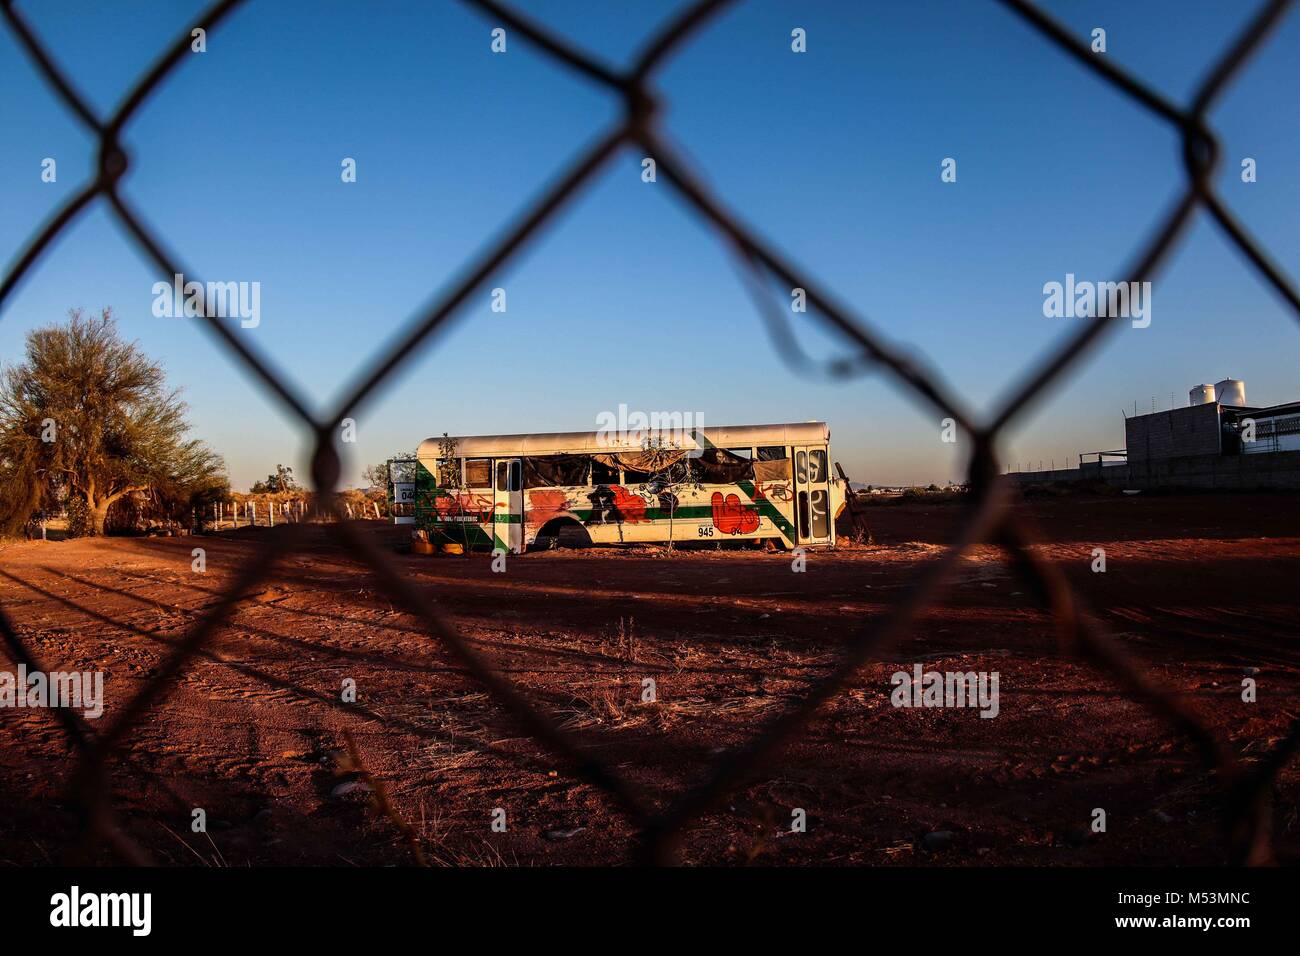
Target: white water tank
x,y
1201,395
1230,391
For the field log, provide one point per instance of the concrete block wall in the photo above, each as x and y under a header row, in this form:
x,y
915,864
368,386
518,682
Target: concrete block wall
x,y
1278,470
1227,472
1177,433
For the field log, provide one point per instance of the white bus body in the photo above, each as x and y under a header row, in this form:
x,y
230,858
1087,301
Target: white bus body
x,y
748,482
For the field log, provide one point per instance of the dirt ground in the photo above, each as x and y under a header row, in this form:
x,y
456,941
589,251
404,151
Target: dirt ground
x,y
1201,588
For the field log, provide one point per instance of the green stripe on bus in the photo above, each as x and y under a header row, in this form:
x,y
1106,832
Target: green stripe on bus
x,y
688,513
766,508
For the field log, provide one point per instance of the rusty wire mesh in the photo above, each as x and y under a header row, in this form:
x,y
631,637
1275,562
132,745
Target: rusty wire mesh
x,y
1246,792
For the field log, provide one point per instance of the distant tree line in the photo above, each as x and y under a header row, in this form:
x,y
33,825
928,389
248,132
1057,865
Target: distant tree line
x,y
279,483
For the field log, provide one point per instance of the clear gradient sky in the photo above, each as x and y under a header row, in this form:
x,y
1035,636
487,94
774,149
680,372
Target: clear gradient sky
x,y
834,154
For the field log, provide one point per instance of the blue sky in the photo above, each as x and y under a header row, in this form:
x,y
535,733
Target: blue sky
x,y
834,155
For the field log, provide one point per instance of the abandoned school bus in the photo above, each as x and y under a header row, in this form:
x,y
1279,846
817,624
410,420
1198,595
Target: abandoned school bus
x,y
512,492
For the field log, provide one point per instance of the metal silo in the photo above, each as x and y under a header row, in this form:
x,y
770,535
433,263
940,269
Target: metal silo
x,y
1201,395
1231,391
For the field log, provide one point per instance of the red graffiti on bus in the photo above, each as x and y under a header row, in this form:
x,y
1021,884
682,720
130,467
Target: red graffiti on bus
x,y
732,517
449,505
630,506
545,505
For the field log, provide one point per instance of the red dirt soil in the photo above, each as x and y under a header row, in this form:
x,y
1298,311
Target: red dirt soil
x,y
1200,588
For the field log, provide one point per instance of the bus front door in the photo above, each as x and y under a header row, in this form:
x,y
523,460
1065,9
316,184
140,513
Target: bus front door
x,y
812,495
508,506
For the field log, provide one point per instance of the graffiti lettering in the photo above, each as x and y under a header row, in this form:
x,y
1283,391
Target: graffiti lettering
x,y
775,490
732,517
456,507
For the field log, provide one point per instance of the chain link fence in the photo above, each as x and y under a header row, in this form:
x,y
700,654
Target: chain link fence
x,y
1246,791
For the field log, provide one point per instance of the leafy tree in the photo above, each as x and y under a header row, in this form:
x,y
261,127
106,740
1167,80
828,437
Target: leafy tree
x,y
91,413
376,476
282,480
670,478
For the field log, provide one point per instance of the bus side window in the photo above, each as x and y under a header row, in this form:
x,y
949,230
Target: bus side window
x,y
478,473
773,463
603,474
449,473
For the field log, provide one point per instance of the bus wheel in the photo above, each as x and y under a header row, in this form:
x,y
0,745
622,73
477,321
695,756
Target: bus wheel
x,y
562,533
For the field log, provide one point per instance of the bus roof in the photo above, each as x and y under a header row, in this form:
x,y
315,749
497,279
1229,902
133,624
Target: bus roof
x,y
723,436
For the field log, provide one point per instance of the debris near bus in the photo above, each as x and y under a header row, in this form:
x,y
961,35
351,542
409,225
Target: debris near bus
x,y
857,522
